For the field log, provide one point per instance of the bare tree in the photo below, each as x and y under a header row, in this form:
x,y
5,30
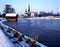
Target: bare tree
x,y
12,10
8,9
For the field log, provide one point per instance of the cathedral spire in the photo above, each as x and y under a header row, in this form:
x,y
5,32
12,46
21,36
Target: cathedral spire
x,y
29,8
26,11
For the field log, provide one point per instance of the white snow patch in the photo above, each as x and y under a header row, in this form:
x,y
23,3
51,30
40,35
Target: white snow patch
x,y
42,18
4,41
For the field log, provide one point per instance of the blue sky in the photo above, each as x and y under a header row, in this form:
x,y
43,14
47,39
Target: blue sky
x,y
35,5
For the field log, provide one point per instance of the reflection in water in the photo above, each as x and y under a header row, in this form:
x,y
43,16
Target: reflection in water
x,y
45,31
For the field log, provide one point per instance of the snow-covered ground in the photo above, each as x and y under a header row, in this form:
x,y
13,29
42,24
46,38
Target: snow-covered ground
x,y
43,18
5,41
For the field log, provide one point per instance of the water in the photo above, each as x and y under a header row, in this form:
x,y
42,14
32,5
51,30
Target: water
x,y
46,30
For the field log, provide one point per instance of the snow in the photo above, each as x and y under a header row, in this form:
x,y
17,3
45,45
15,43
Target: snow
x,y
5,41
42,18
11,14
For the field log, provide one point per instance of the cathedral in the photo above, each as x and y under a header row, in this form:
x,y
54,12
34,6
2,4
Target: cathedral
x,y
28,12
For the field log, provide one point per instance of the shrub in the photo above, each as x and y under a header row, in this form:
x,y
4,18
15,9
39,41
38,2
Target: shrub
x,y
9,30
16,34
33,44
28,41
22,36
20,39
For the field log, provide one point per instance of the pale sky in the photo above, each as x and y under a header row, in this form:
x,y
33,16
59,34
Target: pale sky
x,y
35,5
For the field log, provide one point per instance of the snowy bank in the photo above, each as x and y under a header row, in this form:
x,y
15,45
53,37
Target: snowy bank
x,y
43,18
23,41
4,41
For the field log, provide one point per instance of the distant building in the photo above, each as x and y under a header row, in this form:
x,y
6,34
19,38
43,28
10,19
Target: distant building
x,y
48,14
32,14
0,15
28,13
11,16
